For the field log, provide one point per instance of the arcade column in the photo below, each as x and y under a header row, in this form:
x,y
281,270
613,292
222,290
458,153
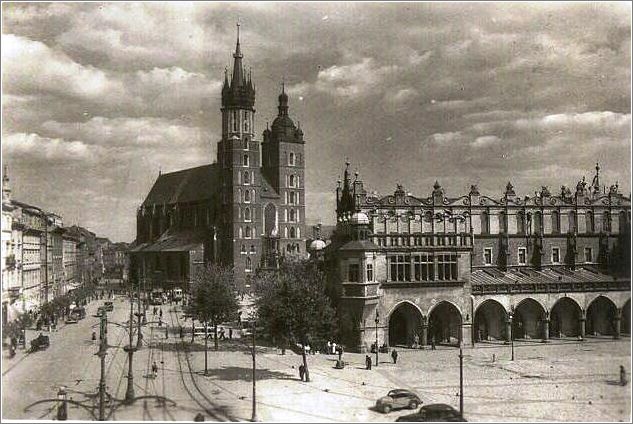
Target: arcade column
x,y
546,329
508,330
582,325
425,331
618,323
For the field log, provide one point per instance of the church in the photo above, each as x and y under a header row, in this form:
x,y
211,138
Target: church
x,y
245,210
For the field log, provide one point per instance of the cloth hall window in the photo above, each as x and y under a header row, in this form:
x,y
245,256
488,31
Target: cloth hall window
x,y
447,267
590,222
488,256
522,255
588,254
606,222
400,268
353,273
485,223
556,222
423,268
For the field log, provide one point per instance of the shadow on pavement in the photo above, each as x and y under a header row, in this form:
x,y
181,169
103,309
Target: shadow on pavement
x,y
245,374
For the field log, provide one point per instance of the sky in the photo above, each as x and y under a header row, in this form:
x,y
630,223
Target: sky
x,y
98,98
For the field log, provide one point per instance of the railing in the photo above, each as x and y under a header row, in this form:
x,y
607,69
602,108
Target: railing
x,y
426,240
556,287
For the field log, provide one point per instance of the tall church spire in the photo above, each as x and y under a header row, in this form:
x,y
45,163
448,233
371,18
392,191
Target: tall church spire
x,y
238,79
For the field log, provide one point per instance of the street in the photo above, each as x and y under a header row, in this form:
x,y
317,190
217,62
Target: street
x,y
559,381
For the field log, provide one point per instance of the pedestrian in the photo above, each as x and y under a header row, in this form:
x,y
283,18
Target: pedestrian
x,y
394,356
339,350
416,341
154,369
160,313
230,334
222,336
302,371
367,362
433,343
623,381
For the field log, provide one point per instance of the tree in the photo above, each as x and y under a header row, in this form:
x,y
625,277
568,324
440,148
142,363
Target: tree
x,y
214,300
293,306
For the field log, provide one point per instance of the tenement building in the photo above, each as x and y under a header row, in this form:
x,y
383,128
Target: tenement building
x,y
473,268
245,210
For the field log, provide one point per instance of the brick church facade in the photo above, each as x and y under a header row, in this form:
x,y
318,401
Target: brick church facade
x,y
245,210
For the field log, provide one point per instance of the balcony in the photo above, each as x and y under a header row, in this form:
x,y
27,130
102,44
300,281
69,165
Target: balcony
x,y
360,290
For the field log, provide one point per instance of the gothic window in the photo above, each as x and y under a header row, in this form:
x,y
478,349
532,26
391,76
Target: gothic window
x,y
243,250
247,214
370,272
588,254
292,181
245,160
485,223
240,232
235,121
247,232
246,121
590,222
247,196
252,248
292,232
555,255
291,159
556,222
249,264
245,143
488,256
522,255
298,234
247,178
292,215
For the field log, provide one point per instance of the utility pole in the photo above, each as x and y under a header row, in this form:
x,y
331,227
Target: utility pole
x,y
461,381
254,415
377,320
102,355
129,393
139,341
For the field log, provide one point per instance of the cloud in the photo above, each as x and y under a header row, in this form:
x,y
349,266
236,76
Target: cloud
x,y
32,147
354,80
486,140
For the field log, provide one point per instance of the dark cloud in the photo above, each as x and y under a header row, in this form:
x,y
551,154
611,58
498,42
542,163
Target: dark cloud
x,y
97,97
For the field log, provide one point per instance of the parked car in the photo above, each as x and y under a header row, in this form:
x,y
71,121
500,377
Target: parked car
x,y
398,399
80,311
437,412
40,342
109,306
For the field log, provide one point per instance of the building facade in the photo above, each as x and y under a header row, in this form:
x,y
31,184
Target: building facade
x,y
476,268
246,210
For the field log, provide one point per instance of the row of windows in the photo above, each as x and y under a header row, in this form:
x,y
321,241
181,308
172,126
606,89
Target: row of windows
x,y
522,255
248,232
536,222
420,241
423,267
235,121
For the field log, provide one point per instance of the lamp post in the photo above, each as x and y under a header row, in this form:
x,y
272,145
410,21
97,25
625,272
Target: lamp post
x,y
62,409
511,336
129,393
254,412
461,381
377,320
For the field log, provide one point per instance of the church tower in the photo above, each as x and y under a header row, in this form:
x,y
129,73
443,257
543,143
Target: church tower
x,y
238,161
283,165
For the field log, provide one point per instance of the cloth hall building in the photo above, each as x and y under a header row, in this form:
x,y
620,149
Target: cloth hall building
x,y
245,210
423,269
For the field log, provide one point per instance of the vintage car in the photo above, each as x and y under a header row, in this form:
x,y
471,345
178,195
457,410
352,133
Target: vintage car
x,y
41,342
398,399
437,412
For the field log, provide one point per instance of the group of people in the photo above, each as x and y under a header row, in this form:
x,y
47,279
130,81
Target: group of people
x,y
368,362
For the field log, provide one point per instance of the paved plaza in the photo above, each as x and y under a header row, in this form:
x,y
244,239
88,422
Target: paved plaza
x,y
558,381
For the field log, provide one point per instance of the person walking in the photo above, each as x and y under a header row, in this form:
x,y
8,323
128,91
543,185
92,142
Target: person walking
x,y
433,343
394,356
339,350
623,381
230,334
302,371
367,362
154,369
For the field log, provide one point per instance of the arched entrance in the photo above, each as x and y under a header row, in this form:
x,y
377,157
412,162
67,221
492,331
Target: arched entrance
x,y
626,318
601,317
445,324
404,323
489,322
528,320
565,318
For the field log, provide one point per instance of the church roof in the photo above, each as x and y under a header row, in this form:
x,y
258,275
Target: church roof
x,y
188,185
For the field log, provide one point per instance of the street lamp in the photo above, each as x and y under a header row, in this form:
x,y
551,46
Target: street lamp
x,y
511,315
377,320
62,411
130,349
